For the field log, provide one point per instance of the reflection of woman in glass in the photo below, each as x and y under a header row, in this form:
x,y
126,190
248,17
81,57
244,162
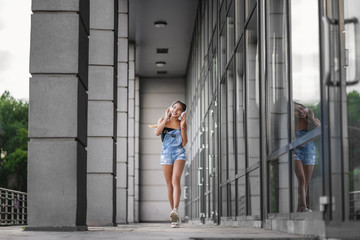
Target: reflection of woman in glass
x,y
304,155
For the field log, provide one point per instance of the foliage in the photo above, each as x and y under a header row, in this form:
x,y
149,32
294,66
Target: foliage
x,y
353,108
13,142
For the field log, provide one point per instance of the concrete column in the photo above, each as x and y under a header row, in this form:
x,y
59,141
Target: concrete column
x,y
122,114
58,115
102,118
131,134
137,142
278,83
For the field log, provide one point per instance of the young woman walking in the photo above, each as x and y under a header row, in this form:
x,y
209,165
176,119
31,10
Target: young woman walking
x,y
173,135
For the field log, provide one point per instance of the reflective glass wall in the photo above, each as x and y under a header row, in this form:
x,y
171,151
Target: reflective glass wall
x,y
223,170
352,167
253,93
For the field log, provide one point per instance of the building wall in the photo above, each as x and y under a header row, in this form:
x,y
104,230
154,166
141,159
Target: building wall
x,y
122,113
156,95
131,136
101,112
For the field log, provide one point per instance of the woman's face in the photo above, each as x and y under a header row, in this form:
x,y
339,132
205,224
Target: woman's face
x,y
177,110
300,111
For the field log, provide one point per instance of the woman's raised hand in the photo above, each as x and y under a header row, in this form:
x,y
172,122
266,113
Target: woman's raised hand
x,y
183,121
310,113
167,113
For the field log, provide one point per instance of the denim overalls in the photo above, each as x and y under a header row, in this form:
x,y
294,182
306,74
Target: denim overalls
x,y
305,153
171,149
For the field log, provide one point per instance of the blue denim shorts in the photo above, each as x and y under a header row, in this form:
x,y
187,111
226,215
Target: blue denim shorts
x,y
170,155
306,154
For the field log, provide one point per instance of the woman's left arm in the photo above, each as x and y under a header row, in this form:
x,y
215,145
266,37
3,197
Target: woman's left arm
x,y
183,129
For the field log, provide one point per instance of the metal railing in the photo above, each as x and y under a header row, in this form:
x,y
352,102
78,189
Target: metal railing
x,y
355,205
13,207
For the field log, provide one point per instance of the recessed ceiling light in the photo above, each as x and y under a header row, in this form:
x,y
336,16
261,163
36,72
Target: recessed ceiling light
x,y
160,64
160,24
162,50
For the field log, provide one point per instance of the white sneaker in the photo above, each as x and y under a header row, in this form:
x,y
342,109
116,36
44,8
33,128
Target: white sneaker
x,y
176,224
174,216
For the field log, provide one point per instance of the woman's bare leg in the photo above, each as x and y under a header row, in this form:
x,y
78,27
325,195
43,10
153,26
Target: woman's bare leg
x,y
177,172
168,172
308,170
299,171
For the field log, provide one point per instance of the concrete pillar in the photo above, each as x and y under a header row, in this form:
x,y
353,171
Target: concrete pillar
x,y
102,118
122,114
58,115
131,135
137,152
278,84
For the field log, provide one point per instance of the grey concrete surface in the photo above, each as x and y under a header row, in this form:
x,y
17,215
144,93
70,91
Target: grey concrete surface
x,y
151,231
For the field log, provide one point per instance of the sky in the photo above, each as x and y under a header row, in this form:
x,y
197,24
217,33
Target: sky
x,y
15,47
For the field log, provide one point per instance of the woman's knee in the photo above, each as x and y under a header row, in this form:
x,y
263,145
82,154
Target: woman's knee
x,y
169,185
176,182
302,181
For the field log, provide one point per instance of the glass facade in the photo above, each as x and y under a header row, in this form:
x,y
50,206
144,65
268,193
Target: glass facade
x,y
352,41
260,111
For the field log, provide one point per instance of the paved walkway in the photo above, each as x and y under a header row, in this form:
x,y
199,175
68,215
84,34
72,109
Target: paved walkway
x,y
158,231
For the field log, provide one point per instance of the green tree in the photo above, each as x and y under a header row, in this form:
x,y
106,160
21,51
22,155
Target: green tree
x,y
13,142
353,108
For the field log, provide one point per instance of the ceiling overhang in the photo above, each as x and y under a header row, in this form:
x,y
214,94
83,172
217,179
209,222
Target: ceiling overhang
x,y
176,36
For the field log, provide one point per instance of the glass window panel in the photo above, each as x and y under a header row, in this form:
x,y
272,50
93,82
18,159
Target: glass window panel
x,y
215,162
202,102
240,113
213,159
306,105
252,96
206,27
215,12
305,52
241,196
249,6
254,193
224,202
222,15
206,153
207,93
239,18
210,77
223,52
207,205
279,184
210,10
223,132
202,42
232,211
230,32
230,121
277,82
352,43
215,63
229,2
